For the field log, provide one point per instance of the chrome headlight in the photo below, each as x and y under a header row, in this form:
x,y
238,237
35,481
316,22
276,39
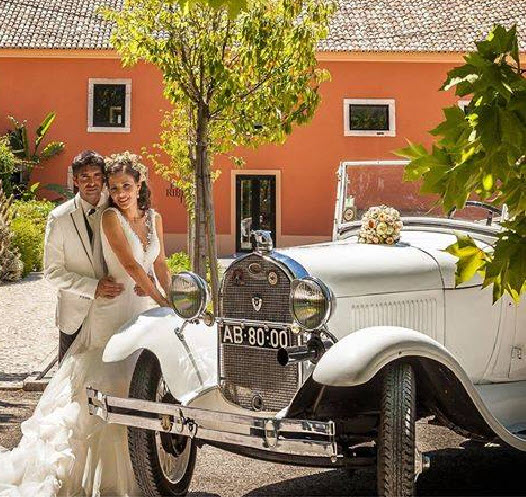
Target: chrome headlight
x,y
189,294
311,303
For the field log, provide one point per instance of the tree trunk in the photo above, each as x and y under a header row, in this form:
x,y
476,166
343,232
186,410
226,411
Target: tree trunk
x,y
191,235
199,257
205,202
211,236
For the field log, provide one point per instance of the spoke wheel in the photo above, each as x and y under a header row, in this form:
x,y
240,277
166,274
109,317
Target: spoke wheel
x,y
163,463
396,432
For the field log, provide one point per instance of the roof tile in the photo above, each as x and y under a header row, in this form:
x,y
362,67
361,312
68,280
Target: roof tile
x,y
358,25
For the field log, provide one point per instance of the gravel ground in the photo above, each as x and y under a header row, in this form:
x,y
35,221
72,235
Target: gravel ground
x,y
455,469
28,336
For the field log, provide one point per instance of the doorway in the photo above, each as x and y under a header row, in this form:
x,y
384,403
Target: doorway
x,y
255,208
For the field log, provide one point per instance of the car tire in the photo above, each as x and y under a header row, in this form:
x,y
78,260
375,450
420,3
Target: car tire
x,y
396,432
163,464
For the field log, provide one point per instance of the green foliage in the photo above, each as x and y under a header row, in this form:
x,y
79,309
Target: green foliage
x,y
30,243
64,192
178,261
30,193
36,211
259,67
19,141
29,227
10,264
234,7
483,152
7,164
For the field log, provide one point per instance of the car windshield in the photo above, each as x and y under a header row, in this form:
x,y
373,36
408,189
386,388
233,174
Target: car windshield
x,y
367,184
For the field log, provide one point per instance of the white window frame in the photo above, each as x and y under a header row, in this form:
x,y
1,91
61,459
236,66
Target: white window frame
x,y
371,101
463,104
69,179
127,102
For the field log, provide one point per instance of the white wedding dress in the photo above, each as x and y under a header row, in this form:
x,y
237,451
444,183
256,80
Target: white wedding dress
x,y
64,451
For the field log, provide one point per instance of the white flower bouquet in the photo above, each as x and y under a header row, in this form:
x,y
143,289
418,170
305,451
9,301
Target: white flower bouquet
x,y
380,225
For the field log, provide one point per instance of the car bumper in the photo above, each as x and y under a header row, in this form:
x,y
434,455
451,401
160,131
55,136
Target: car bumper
x,y
294,437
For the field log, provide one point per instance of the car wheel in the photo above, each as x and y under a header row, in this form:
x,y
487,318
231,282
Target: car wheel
x,y
163,463
396,432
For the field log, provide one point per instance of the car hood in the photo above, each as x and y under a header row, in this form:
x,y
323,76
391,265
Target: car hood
x,y
350,269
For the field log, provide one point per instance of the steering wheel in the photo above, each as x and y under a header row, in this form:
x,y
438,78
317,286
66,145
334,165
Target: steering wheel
x,y
492,210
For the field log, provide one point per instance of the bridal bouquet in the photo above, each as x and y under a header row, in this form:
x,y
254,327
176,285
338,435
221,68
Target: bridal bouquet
x,y
380,225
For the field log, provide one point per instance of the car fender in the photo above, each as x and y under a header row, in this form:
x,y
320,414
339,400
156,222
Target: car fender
x,y
355,359
358,357
187,354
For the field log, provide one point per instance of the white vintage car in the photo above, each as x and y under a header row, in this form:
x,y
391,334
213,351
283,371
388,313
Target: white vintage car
x,y
324,355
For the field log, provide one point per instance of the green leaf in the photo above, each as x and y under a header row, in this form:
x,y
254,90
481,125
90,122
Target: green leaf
x,y
52,149
43,128
471,259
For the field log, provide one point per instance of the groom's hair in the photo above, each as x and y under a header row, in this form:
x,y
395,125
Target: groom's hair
x,y
87,158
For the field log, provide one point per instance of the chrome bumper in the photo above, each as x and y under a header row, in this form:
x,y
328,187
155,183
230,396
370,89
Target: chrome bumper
x,y
282,436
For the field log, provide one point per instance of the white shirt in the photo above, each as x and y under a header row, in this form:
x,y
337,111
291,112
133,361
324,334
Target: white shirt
x,y
86,206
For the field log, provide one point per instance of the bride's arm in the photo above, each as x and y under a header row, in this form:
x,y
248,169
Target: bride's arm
x,y
161,268
120,246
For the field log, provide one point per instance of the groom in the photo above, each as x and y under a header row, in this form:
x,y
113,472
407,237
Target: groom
x,y
73,261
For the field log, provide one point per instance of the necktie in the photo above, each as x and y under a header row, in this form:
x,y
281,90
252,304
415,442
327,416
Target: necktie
x,y
88,226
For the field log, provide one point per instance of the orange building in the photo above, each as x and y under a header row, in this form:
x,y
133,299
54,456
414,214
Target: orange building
x,y
387,60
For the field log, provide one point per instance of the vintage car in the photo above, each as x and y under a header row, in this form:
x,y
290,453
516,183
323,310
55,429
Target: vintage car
x,y
324,355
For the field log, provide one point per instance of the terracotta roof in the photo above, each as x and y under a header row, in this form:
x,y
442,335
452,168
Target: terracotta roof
x,y
358,25
420,25
54,24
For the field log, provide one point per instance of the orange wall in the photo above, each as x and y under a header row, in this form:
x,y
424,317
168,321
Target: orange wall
x,y
30,87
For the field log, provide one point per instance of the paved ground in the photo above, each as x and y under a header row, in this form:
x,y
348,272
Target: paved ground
x,y
28,337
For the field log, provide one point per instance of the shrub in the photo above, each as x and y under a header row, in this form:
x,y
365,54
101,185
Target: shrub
x,y
10,264
179,261
36,211
30,242
29,228
7,165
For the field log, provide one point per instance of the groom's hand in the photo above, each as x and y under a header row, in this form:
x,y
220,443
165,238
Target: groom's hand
x,y
108,288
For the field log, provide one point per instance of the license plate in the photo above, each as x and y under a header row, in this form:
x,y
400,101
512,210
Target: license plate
x,y
271,337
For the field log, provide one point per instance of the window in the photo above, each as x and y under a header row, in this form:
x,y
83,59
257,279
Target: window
x,y
109,105
371,117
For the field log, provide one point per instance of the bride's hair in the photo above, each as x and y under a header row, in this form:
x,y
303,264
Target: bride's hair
x,y
128,163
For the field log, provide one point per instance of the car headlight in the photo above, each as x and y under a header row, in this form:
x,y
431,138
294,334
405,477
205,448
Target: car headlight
x,y
189,295
311,303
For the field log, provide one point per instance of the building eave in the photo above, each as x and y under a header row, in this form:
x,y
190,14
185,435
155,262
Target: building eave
x,y
322,56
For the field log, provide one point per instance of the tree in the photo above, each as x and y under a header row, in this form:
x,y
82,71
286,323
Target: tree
x,y
232,81
483,152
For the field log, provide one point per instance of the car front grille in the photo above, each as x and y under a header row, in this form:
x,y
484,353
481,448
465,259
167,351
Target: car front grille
x,y
249,372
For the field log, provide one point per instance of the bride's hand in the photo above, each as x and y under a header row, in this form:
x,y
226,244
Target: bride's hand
x,y
164,302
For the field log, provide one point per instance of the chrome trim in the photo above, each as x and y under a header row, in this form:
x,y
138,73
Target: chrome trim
x,y
327,293
308,438
203,293
432,222
292,270
252,322
290,266
263,241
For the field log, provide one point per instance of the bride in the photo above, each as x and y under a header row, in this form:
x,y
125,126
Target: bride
x,y
65,451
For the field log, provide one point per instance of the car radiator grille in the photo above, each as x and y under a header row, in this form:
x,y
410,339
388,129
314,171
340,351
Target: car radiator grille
x,y
247,371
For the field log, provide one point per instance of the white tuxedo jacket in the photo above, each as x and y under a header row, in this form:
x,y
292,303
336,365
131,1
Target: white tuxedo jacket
x,y
70,264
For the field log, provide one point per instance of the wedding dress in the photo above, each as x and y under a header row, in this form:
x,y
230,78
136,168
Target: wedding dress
x,y
64,451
